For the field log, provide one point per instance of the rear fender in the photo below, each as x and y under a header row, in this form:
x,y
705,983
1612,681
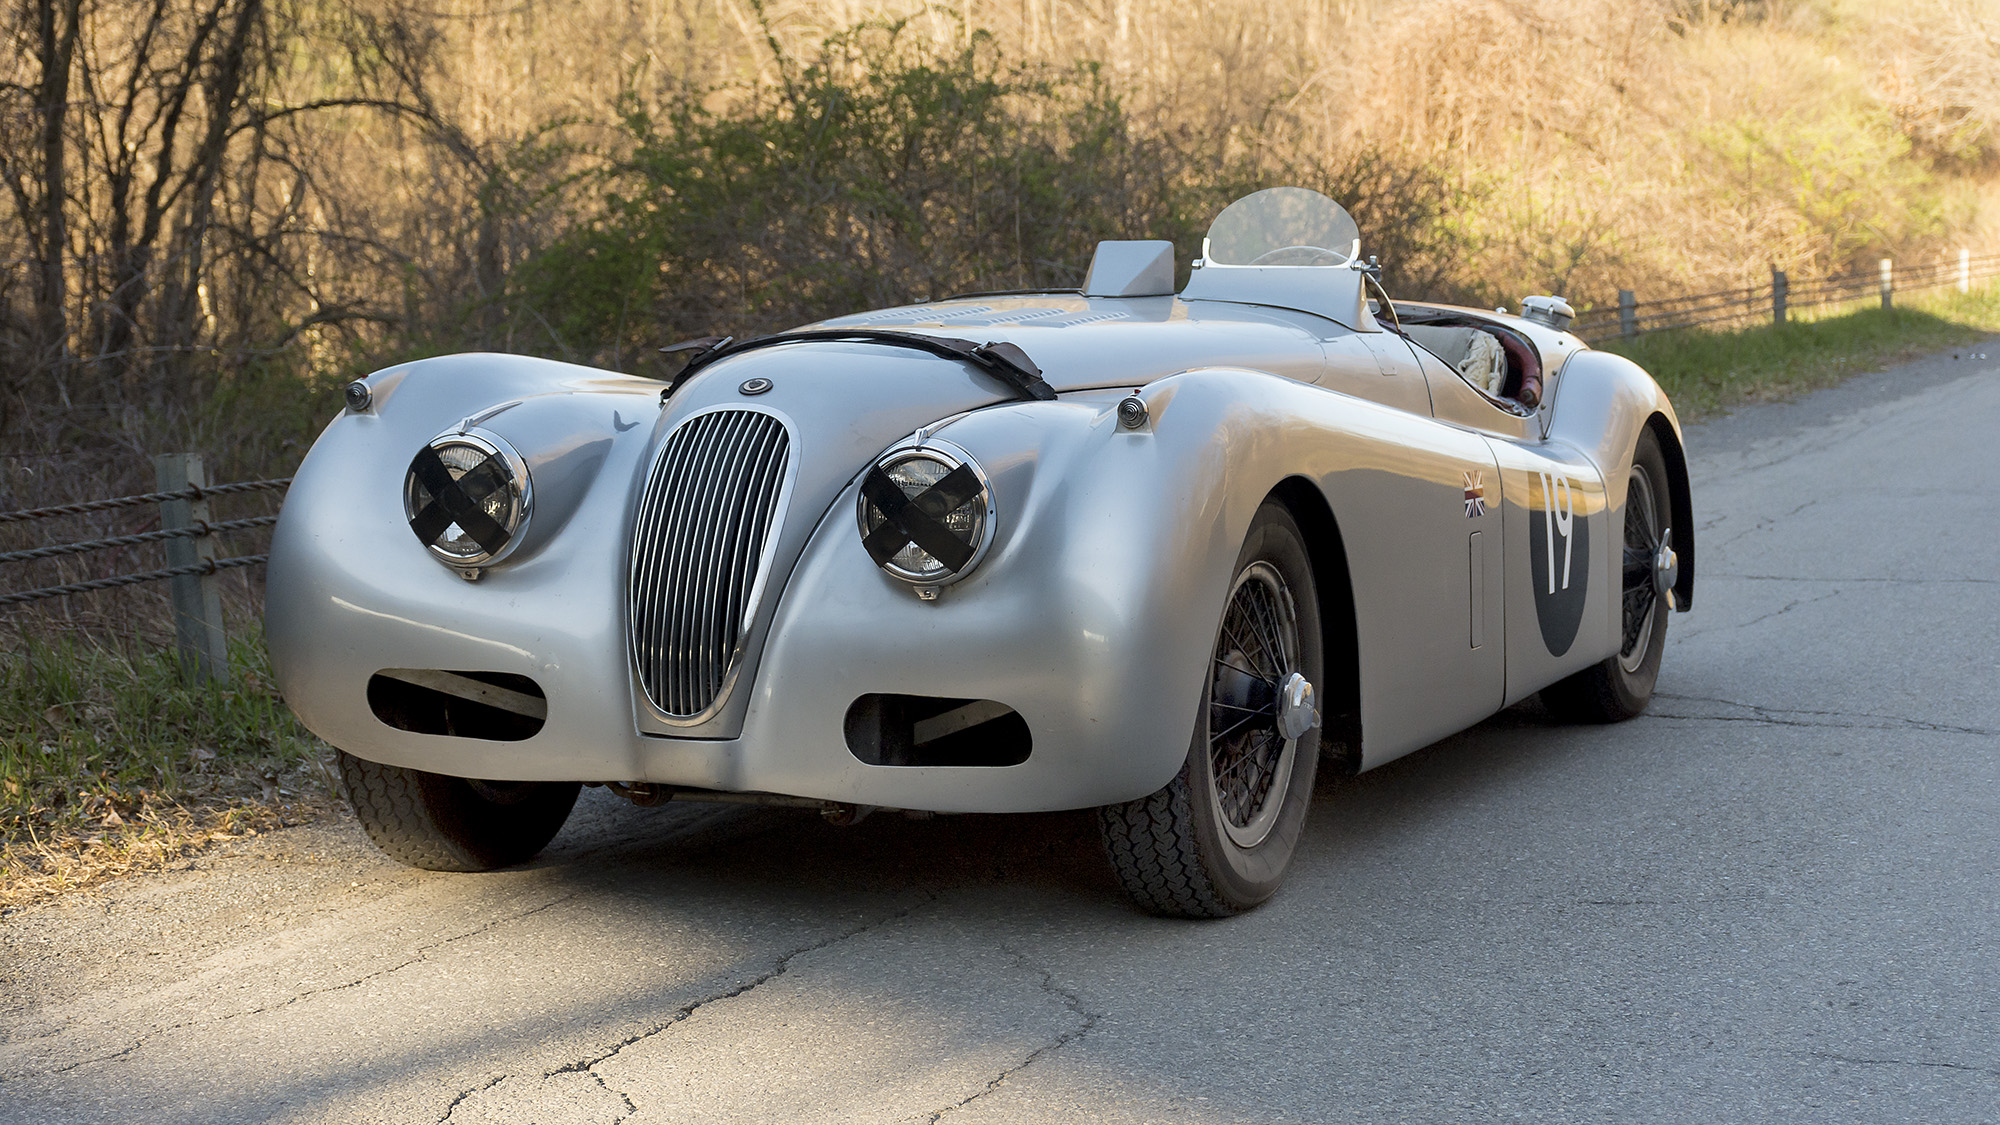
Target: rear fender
x,y
1606,402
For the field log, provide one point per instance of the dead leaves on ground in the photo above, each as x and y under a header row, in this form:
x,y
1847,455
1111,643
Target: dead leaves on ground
x,y
41,862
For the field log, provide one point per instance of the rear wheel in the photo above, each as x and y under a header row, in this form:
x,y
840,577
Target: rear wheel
x,y
1219,837
1620,686
444,823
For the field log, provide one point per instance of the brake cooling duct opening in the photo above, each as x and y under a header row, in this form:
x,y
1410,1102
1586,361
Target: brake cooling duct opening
x,y
926,730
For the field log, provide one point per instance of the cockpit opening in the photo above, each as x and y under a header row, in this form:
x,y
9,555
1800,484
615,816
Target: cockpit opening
x,y
1501,363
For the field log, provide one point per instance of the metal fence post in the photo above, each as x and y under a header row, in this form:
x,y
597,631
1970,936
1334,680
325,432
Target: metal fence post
x,y
1888,286
1628,313
1964,271
197,598
1781,287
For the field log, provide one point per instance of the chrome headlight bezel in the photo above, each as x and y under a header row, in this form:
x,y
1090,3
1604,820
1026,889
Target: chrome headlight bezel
x,y
983,511
519,485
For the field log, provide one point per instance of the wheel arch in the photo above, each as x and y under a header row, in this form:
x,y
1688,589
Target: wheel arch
x,y
1663,431
1340,704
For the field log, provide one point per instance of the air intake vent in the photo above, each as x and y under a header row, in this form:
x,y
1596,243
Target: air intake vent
x,y
697,550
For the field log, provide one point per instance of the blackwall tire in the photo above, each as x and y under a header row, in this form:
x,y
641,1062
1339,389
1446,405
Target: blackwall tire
x,y
442,823
1218,838
1619,687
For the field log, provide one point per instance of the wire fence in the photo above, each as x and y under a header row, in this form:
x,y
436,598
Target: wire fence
x,y
189,536
1775,300
192,492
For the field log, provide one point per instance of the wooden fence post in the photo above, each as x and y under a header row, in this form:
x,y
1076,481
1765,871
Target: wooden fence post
x,y
1888,286
1628,313
1964,271
197,599
1781,288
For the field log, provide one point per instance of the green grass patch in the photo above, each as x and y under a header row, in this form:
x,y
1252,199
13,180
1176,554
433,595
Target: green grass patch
x,y
1706,371
102,749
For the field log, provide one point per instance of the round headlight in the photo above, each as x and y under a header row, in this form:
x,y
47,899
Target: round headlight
x,y
926,513
467,498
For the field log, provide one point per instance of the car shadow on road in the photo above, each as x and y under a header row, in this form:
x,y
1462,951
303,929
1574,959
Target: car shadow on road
x,y
651,915
756,849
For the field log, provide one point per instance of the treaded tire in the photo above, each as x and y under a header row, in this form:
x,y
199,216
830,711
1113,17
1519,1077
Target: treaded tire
x,y
1609,691
1170,849
443,823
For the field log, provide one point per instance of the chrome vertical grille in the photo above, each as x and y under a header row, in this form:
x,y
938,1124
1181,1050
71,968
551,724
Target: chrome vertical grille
x,y
697,549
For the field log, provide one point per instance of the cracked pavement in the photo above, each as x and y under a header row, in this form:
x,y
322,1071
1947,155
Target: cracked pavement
x,y
1771,899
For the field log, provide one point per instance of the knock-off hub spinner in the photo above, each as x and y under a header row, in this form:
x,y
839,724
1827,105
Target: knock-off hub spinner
x,y
1297,713
1666,566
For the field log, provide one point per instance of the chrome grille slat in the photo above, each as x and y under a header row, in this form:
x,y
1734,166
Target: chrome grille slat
x,y
673,600
701,611
744,548
717,622
759,516
659,607
659,581
690,595
644,609
676,648
698,594
716,632
704,524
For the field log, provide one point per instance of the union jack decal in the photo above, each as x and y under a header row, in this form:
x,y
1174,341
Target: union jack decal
x,y
1475,495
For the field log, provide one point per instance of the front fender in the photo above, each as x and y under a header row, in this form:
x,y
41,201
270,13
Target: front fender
x,y
1092,616
350,591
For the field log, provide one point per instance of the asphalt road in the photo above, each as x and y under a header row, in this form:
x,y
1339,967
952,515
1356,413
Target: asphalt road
x,y
1770,899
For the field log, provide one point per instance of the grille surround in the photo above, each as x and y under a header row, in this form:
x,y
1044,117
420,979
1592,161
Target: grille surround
x,y
707,522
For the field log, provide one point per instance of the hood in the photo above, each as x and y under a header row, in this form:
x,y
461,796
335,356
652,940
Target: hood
x,y
1085,342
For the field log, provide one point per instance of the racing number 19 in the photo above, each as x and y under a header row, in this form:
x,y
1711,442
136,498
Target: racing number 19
x,y
1558,521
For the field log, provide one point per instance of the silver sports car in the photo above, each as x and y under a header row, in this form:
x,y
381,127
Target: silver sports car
x,y
1159,554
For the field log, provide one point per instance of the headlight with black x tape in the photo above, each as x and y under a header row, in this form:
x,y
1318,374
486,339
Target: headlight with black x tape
x,y
468,497
926,514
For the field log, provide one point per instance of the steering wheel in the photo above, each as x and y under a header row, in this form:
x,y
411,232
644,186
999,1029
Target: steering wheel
x,y
1313,255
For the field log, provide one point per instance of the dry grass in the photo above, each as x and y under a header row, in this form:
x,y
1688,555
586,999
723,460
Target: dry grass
x,y
110,763
150,834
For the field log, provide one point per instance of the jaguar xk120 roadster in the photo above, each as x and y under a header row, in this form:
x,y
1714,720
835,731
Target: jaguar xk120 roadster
x,y
1161,554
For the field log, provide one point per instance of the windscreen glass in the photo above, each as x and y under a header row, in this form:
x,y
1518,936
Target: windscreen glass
x,y
1282,227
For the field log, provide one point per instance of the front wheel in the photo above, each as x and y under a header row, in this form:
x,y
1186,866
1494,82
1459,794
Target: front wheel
x,y
1620,686
1219,837
443,823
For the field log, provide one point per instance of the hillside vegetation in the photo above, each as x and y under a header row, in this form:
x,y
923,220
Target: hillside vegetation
x,y
242,190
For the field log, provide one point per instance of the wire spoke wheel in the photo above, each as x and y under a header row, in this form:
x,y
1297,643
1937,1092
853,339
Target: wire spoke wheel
x,y
1249,760
1217,839
1642,545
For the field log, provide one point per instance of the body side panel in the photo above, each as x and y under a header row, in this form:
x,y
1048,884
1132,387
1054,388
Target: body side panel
x,y
1562,550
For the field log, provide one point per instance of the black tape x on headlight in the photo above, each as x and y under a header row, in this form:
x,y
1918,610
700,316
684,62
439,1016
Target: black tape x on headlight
x,y
926,514
467,497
